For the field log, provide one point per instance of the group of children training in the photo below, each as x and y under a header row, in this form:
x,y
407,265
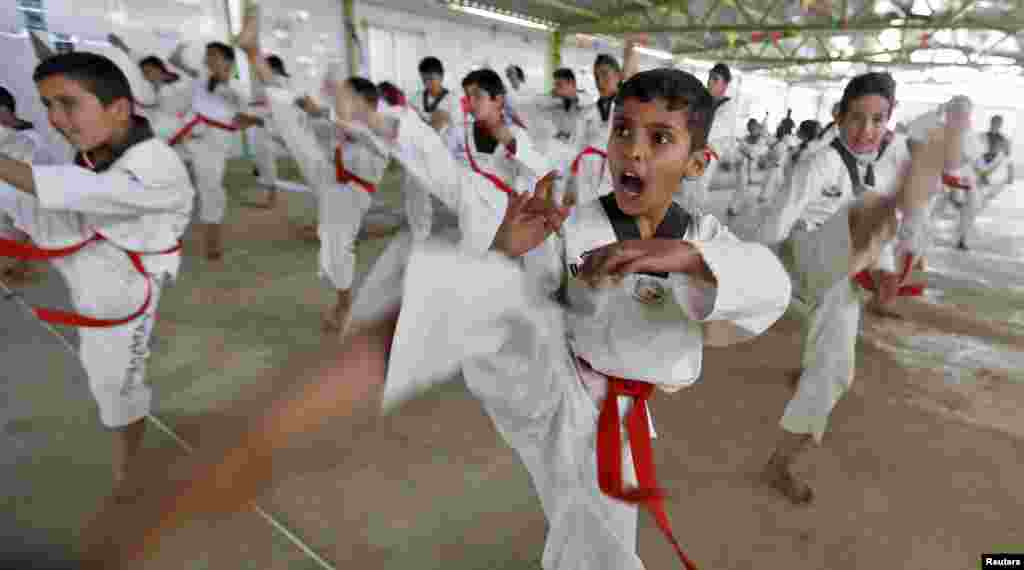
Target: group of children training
x,y
587,274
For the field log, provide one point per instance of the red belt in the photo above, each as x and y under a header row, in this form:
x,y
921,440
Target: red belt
x,y
867,281
345,176
575,168
187,129
609,455
25,252
955,182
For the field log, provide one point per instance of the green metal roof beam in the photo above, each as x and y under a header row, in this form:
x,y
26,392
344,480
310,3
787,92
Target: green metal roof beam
x,y
570,8
779,63
1006,25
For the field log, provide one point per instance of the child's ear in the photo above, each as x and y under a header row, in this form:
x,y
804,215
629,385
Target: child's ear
x,y
696,163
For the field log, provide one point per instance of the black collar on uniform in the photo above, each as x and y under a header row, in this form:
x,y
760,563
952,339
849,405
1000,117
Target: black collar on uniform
x,y
140,131
484,140
672,227
427,106
850,162
604,106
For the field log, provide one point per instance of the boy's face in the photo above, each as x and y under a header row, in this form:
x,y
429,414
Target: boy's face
x,y
432,82
152,73
863,124
484,108
79,115
607,80
649,154
717,85
218,65
996,124
565,88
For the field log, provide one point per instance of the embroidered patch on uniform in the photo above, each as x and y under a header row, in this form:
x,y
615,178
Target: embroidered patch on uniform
x,y
649,291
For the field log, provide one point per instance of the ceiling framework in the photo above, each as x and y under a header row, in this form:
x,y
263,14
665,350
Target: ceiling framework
x,y
800,39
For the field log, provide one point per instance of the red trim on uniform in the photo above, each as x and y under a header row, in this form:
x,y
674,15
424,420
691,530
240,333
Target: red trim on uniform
x,y
498,182
575,168
957,182
609,455
27,252
345,176
867,282
187,129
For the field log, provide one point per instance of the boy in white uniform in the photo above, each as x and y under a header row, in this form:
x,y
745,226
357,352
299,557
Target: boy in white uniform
x,y
721,137
344,175
840,204
208,135
264,145
439,108
496,150
751,149
172,93
640,285
589,163
110,223
994,168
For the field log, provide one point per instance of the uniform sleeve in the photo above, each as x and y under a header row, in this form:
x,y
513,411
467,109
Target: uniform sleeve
x,y
457,308
455,139
137,185
21,148
917,130
289,123
545,264
807,179
529,155
752,290
478,205
721,136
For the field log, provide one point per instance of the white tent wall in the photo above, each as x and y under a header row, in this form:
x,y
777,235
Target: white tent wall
x,y
399,39
308,36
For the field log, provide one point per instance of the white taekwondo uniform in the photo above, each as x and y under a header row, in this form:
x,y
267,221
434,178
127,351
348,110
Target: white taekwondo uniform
x,y
814,203
520,352
127,216
206,139
344,175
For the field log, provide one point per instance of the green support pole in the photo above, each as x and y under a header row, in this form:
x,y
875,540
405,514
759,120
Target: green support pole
x,y
554,57
349,20
246,151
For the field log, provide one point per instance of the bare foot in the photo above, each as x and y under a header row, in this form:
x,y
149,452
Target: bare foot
x,y
268,204
878,309
309,233
782,480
